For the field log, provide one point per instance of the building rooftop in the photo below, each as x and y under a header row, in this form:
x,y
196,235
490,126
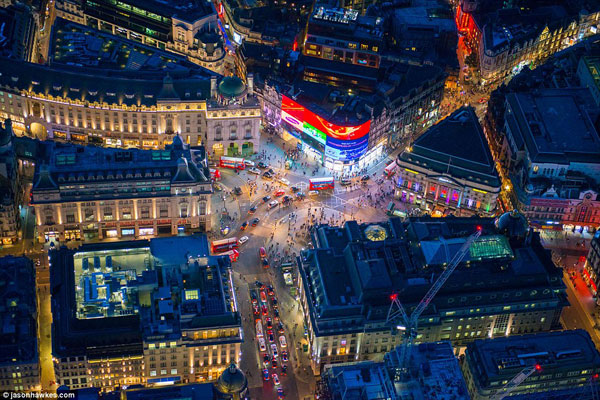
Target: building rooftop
x,y
344,23
504,357
78,45
193,391
592,63
18,334
99,167
365,380
131,88
353,269
127,292
555,125
435,373
456,146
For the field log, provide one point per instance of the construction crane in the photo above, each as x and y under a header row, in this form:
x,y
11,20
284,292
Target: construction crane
x,y
397,317
516,381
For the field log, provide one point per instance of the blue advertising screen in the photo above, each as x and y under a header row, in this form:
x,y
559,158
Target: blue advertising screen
x,y
346,150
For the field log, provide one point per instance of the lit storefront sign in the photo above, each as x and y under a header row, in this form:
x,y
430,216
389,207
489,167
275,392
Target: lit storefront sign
x,y
341,143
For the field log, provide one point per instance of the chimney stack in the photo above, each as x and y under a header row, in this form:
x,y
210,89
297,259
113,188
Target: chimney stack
x,y
213,87
251,84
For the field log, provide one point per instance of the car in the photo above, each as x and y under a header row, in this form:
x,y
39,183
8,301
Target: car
x,y
313,192
271,339
270,290
280,328
273,203
269,322
217,187
249,163
265,311
252,210
254,171
256,309
269,331
365,178
380,181
242,240
282,341
237,190
266,199
286,199
263,297
295,189
262,164
274,364
300,195
270,171
267,176
284,356
274,350
244,225
276,380
279,193
262,252
276,314
259,284
284,181
266,360
284,370
255,221
274,302
261,344
266,374
253,297
280,393
345,182
265,263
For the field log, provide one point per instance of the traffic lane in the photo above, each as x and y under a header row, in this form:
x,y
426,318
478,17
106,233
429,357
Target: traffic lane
x,y
575,317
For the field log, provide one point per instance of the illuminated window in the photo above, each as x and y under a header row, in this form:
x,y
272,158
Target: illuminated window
x,y
352,45
375,48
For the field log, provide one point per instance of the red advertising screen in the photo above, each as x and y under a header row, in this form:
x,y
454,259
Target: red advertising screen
x,y
338,142
300,114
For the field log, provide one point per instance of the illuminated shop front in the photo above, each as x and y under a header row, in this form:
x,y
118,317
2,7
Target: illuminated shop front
x,y
341,148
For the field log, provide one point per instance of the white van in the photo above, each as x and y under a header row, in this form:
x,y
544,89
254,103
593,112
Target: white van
x,y
249,163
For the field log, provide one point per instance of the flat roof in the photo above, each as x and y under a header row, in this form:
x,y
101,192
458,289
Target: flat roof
x,y
555,125
501,357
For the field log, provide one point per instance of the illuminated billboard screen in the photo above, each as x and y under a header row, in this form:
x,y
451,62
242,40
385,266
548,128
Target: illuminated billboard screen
x,y
344,143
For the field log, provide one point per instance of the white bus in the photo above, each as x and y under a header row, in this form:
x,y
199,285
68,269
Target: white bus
x,y
259,329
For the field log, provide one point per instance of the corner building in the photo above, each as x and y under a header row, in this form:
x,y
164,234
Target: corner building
x,y
86,192
121,109
150,312
506,285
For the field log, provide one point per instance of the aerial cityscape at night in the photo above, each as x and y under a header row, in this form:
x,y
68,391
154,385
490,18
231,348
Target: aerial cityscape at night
x,y
303,200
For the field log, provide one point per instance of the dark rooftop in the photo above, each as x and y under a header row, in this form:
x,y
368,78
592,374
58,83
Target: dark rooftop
x,y
456,145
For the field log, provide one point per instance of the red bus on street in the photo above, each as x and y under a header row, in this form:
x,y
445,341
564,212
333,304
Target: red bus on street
x,y
232,162
233,254
390,170
215,174
221,246
321,183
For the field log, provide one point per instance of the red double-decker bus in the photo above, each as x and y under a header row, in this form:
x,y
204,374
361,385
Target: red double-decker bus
x,y
221,246
215,174
321,183
233,255
232,162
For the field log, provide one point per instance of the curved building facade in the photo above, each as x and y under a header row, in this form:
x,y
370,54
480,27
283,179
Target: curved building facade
x,y
118,109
